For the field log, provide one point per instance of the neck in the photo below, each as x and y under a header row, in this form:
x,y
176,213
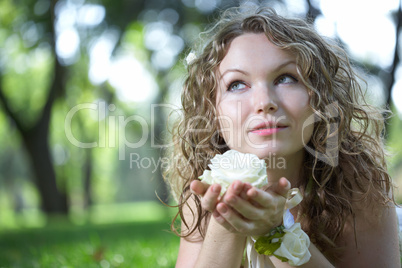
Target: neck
x,y
289,167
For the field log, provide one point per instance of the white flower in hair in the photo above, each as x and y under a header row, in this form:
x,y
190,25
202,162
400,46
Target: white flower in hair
x,y
190,57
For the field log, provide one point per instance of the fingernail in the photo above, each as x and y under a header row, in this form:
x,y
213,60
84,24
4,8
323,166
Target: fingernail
x,y
235,185
215,189
223,209
231,199
253,193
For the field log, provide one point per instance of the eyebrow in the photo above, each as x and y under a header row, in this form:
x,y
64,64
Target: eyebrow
x,y
279,67
234,70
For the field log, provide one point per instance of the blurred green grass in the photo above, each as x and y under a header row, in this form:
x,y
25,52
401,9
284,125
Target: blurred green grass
x,y
142,241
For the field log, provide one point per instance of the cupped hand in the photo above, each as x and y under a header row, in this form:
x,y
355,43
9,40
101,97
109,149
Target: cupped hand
x,y
210,194
251,211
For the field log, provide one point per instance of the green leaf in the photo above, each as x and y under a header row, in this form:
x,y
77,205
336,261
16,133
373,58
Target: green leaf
x,y
264,244
283,259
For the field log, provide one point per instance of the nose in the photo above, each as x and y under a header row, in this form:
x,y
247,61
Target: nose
x,y
264,100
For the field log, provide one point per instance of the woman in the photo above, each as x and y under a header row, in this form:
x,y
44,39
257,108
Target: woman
x,y
273,87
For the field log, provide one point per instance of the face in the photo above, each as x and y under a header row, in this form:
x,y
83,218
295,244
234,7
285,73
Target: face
x,y
262,105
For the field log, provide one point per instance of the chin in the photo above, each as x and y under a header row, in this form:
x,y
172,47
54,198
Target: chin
x,y
262,153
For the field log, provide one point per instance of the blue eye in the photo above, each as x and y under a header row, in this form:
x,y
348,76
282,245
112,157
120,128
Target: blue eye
x,y
286,79
237,85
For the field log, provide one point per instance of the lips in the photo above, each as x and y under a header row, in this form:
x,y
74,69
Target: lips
x,y
267,128
267,125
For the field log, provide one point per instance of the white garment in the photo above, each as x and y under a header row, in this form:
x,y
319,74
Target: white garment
x,y
253,259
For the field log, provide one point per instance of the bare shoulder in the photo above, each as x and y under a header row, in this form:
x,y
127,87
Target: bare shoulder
x,y
370,237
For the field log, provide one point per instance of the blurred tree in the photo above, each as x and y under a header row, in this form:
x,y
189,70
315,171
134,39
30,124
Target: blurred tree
x,y
34,130
390,78
29,28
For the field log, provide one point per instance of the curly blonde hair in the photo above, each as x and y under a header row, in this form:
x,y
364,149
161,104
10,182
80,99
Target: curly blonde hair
x,y
345,158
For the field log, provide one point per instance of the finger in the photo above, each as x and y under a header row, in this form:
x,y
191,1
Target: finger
x,y
236,195
282,187
221,220
244,207
198,187
235,188
211,197
246,187
243,194
266,199
232,218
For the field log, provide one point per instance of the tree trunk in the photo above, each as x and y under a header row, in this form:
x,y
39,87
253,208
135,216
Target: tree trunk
x,y
159,126
87,178
37,148
389,82
35,137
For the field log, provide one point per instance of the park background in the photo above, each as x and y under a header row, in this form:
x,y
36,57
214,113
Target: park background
x,y
86,89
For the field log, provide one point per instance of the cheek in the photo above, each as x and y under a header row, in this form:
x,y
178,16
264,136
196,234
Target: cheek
x,y
298,105
306,123
225,120
229,118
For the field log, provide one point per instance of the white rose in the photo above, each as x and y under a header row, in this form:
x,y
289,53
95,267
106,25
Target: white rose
x,y
294,247
190,58
233,165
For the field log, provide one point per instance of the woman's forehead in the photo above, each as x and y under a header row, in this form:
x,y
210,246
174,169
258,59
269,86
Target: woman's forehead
x,y
250,49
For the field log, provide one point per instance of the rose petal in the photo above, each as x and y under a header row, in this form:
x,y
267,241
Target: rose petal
x,y
233,165
294,247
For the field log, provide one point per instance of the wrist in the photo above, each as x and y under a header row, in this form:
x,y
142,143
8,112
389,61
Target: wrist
x,y
219,230
288,242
